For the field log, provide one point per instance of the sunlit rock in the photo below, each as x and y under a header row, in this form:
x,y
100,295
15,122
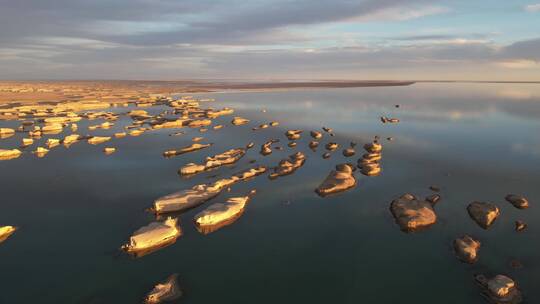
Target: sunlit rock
x,y
331,146
191,148
433,199
27,142
52,142
70,139
154,235
520,225
348,152
373,147
288,166
466,249
199,123
51,128
219,215
484,214
136,132
187,199
6,231
316,134
7,131
109,150
95,140
237,121
166,291
120,134
517,201
313,144
293,134
412,214
371,169
226,158
40,151
337,181
266,148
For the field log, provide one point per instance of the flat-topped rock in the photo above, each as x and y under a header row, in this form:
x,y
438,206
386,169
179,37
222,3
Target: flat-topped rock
x,y
190,148
293,134
7,154
237,121
95,140
517,201
226,158
153,235
466,249
484,214
412,214
338,180
219,215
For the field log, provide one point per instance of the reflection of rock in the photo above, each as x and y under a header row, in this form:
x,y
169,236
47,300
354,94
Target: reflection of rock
x,y
466,249
225,158
337,181
191,148
293,134
520,225
412,214
500,289
484,214
186,199
517,201
153,235
5,232
288,166
213,217
165,291
9,154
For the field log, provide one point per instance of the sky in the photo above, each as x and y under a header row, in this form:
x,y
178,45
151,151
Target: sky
x,y
270,39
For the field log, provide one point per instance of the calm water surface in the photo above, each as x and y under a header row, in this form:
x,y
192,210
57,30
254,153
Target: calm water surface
x,y
75,207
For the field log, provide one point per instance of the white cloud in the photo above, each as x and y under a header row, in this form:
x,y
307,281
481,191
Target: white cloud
x,y
402,13
533,8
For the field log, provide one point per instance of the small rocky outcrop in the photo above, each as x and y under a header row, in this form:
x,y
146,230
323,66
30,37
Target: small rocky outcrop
x,y
517,201
293,134
412,214
340,180
331,146
520,225
316,134
191,148
466,249
168,290
348,152
500,289
288,166
484,214
237,121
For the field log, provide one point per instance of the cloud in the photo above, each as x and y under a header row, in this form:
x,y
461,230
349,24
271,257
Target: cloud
x,y
533,8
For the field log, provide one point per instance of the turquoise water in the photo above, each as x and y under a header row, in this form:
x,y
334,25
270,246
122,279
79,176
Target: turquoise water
x,y
75,207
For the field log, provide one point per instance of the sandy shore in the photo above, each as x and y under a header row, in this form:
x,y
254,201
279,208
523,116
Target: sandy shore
x,y
32,92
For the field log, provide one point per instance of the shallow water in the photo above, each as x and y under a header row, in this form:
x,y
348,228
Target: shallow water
x,y
75,207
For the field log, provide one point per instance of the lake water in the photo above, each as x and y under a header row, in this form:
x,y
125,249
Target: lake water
x,y
75,207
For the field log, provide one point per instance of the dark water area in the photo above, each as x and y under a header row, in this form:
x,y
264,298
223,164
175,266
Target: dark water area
x,y
76,206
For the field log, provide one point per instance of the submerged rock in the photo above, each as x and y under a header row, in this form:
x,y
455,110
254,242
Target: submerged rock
x,y
337,181
226,158
412,214
191,148
6,154
520,225
6,231
466,249
484,214
96,140
288,166
500,289
517,201
154,235
219,215
165,291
